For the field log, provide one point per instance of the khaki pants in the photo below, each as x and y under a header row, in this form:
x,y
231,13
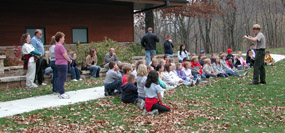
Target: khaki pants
x,y
30,75
258,68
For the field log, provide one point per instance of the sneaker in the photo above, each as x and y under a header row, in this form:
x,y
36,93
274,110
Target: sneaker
x,y
63,96
106,94
245,73
203,82
80,79
144,112
193,82
197,82
169,87
153,112
75,80
54,93
43,84
140,104
35,85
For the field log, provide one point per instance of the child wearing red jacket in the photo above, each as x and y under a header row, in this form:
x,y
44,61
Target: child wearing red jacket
x,y
127,69
196,66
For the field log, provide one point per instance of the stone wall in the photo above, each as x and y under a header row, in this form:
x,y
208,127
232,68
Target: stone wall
x,y
9,51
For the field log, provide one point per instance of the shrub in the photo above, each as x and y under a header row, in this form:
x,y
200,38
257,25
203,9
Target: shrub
x,y
123,50
16,59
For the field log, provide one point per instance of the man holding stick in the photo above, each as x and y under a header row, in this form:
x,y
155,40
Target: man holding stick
x,y
258,68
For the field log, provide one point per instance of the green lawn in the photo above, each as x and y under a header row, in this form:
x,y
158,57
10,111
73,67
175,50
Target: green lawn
x,y
20,93
228,104
277,51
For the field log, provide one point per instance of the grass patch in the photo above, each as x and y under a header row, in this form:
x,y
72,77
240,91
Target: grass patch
x,y
228,104
20,93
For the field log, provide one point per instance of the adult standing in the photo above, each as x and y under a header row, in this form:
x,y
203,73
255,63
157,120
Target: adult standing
x,y
258,68
38,45
149,41
52,65
168,46
29,60
110,56
91,62
61,62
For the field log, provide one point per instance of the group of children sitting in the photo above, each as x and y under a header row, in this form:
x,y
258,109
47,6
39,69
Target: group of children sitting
x,y
146,84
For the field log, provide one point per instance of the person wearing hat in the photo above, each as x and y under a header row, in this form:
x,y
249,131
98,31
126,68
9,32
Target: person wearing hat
x,y
230,55
258,68
202,53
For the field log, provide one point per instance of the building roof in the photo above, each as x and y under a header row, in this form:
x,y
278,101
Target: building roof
x,y
151,4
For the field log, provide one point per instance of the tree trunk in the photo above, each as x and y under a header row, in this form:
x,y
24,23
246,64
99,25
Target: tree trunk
x,y
149,21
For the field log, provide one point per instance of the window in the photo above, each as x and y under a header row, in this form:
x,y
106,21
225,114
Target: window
x,y
80,34
31,31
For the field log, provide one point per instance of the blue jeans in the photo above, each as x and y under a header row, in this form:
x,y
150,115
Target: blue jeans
x,y
75,73
186,82
203,76
196,76
170,55
148,54
232,73
116,85
54,76
95,71
240,68
223,75
209,75
61,78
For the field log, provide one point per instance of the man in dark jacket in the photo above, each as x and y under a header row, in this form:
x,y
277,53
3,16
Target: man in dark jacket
x,y
168,46
129,91
149,41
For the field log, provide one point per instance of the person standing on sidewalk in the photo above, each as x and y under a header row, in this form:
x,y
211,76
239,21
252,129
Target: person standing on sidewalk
x,y
149,41
258,68
38,45
61,62
52,65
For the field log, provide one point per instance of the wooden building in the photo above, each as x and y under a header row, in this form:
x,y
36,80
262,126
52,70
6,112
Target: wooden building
x,y
81,20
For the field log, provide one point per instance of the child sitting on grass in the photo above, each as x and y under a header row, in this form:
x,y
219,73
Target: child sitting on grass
x,y
227,69
137,65
181,73
166,58
240,62
170,77
113,80
208,70
127,69
154,64
195,65
268,60
129,90
218,68
153,98
250,59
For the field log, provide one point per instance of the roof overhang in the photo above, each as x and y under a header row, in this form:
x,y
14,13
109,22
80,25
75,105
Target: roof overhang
x,y
146,5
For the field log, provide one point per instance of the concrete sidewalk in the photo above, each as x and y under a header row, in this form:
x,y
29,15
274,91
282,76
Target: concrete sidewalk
x,y
11,108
